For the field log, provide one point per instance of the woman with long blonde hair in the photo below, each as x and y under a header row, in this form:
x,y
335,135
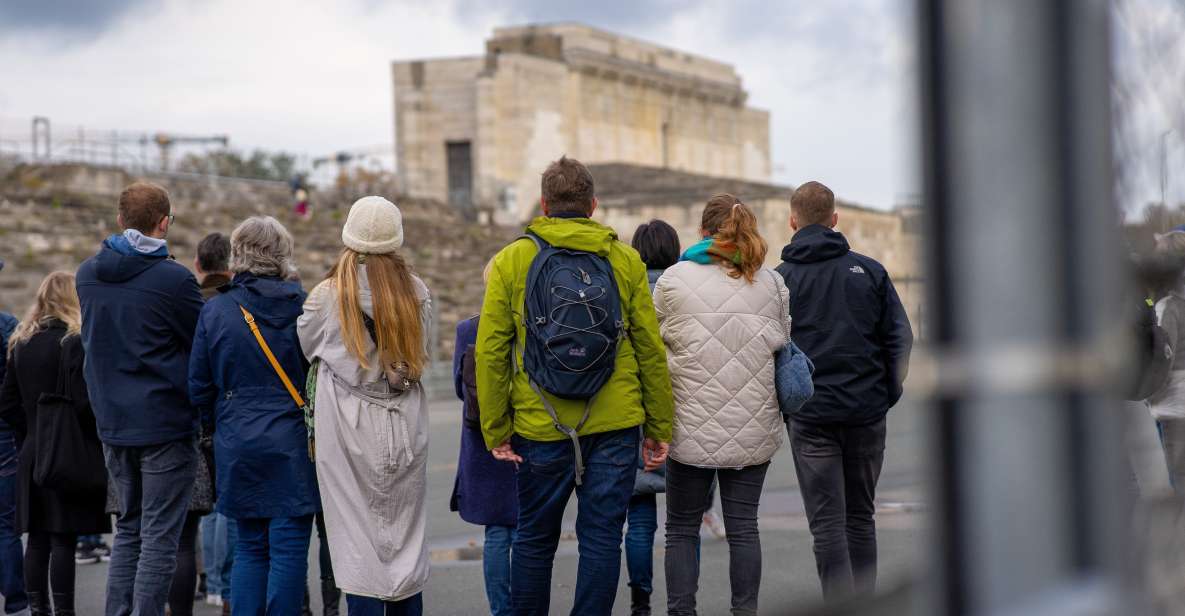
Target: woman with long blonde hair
x,y
365,328
45,356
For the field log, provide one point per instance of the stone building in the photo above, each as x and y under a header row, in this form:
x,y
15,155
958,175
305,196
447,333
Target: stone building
x,y
478,131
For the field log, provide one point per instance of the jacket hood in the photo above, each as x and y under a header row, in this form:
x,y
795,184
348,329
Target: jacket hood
x,y
576,233
271,300
815,243
118,262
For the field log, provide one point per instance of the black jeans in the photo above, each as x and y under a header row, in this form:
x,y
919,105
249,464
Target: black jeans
x,y
838,467
688,497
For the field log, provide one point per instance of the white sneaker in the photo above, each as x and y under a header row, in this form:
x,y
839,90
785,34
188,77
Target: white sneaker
x,y
215,600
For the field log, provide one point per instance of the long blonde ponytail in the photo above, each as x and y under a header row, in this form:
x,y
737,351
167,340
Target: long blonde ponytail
x,y
399,334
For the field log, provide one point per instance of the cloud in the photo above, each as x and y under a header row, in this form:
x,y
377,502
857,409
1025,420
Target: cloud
x,y
65,17
314,77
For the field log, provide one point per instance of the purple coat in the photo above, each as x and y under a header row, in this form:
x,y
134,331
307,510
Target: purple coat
x,y
485,491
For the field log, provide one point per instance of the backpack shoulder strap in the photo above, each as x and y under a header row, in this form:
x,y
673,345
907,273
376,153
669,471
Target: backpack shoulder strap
x,y
271,358
539,242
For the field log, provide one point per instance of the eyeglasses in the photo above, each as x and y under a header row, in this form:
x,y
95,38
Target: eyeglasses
x,y
170,217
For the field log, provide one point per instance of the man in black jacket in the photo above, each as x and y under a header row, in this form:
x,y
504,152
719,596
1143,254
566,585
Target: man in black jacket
x,y
849,321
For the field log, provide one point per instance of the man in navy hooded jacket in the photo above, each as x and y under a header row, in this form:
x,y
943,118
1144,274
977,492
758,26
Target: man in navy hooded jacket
x,y
139,312
849,320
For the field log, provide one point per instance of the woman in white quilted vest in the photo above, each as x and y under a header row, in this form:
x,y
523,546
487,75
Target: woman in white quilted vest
x,y
722,316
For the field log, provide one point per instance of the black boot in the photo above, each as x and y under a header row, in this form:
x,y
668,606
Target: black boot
x,y
39,604
63,604
330,598
639,602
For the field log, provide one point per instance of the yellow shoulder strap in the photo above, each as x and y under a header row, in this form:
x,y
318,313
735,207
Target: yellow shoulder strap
x,y
292,391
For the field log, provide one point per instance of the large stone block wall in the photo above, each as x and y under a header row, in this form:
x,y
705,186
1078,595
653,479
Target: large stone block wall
x,y
545,91
435,102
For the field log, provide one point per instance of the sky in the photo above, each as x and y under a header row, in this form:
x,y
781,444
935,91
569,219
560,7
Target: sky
x,y
313,77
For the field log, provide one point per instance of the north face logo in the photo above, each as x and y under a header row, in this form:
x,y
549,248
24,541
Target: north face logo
x,y
856,269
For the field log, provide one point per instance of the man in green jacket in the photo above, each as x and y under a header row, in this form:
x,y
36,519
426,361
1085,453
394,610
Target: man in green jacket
x,y
518,428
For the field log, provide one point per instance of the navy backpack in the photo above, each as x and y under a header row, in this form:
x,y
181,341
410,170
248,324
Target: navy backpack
x,y
573,322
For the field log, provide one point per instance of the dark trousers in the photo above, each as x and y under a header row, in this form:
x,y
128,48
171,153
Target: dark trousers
x,y
689,495
49,568
369,606
12,575
838,467
639,541
271,565
153,485
185,576
546,479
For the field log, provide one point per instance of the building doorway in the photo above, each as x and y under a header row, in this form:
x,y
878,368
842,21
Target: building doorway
x,y
460,178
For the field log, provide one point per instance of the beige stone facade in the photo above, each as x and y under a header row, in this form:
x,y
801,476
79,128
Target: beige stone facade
x,y
477,132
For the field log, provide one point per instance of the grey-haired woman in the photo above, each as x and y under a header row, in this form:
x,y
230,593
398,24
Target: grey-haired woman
x,y
266,481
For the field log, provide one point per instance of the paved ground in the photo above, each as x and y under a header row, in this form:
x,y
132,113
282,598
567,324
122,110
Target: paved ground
x,y
789,576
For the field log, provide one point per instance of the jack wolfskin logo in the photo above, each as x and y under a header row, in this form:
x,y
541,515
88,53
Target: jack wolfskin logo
x,y
577,352
856,269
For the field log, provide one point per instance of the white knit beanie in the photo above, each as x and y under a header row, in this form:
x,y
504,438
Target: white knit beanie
x,y
374,227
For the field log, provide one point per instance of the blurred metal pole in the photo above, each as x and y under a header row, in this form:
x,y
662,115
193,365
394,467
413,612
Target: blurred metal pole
x,y
1023,257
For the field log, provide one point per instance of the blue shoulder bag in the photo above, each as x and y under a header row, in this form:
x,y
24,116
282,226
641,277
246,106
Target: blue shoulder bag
x,y
792,371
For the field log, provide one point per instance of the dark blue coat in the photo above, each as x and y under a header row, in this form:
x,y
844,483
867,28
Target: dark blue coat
x,y
848,319
138,316
485,491
260,441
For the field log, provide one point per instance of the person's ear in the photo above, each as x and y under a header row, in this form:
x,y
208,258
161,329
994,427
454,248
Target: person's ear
x,y
834,219
703,233
593,208
119,221
197,266
793,223
543,205
163,225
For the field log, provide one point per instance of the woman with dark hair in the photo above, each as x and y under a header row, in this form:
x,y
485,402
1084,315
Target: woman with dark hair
x,y
45,356
723,318
658,245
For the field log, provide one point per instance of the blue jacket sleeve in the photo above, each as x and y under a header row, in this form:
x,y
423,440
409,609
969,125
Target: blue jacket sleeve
x,y
466,337
202,390
458,355
896,339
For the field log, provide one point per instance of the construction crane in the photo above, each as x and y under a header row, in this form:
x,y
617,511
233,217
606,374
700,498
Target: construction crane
x,y
166,141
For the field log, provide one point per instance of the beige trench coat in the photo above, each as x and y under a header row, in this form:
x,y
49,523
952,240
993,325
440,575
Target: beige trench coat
x,y
372,451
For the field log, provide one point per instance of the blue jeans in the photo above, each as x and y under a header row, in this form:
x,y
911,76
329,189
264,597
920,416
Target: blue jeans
x,y
153,485
215,554
271,564
495,564
546,479
369,606
12,574
639,541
